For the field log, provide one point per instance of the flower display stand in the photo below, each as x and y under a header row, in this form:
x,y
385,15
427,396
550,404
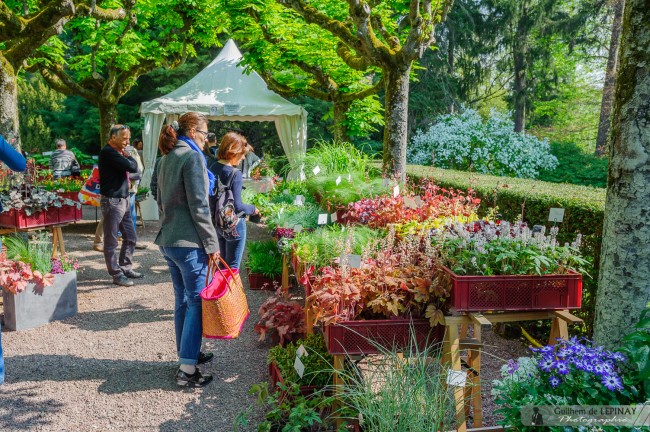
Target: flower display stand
x,y
456,340
52,216
515,292
35,307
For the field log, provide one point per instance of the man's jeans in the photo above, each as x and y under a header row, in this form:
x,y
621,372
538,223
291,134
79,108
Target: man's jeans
x,y
2,360
188,268
232,247
117,217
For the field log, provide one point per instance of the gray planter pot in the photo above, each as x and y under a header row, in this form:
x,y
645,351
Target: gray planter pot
x,y
36,307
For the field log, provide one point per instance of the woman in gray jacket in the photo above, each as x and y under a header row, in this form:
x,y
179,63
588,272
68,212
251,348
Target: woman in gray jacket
x,y
187,238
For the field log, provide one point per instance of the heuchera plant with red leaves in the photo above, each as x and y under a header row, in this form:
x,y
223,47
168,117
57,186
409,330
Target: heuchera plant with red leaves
x,y
285,316
436,202
16,275
396,282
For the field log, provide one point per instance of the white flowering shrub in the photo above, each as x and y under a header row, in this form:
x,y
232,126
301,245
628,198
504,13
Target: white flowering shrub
x,y
461,141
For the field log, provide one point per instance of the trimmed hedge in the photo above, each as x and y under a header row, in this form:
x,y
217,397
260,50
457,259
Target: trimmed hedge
x,y
584,209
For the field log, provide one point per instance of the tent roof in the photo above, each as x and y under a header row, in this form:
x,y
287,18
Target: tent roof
x,y
224,89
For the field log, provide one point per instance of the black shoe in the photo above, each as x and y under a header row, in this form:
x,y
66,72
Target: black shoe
x,y
123,281
205,357
133,274
195,380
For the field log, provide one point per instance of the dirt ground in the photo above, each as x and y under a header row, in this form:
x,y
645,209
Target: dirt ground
x,y
112,366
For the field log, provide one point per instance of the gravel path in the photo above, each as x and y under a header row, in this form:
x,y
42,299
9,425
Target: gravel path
x,y
112,367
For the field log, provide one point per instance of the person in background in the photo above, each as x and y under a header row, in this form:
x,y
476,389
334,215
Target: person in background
x,y
63,162
115,162
212,144
250,161
15,161
134,179
139,146
232,150
187,238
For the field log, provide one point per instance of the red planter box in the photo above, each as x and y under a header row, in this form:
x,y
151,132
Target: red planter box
x,y
69,214
258,281
19,219
74,196
51,216
516,292
362,337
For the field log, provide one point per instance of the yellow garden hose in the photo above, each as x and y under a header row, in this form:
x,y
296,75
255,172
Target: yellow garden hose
x,y
530,338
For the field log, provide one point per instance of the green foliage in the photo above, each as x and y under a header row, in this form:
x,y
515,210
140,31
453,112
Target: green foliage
x,y
350,188
264,258
38,106
289,216
335,157
576,166
37,252
320,247
636,346
584,213
318,361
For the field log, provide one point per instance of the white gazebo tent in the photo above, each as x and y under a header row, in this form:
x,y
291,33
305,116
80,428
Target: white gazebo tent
x,y
223,91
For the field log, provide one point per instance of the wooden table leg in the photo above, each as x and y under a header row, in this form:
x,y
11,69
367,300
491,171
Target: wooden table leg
x,y
452,355
57,242
475,363
559,329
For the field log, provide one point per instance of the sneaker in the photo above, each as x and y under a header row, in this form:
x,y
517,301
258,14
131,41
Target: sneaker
x,y
205,357
141,246
99,247
133,274
195,380
123,281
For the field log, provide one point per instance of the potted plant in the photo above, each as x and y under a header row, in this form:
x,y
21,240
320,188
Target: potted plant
x,y
37,288
142,194
499,266
264,265
282,318
318,365
380,303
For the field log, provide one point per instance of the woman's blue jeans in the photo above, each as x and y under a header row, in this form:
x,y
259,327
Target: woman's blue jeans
x,y
188,268
231,247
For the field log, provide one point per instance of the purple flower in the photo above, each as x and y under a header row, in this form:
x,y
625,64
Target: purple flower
x,y
562,367
612,382
589,367
617,356
554,381
512,366
545,364
546,349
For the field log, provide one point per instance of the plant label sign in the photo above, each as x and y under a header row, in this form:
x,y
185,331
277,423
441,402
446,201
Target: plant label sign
x,y
556,214
349,177
322,219
385,183
396,191
286,191
338,180
297,228
410,203
418,201
301,351
334,217
299,366
456,378
299,201
316,170
354,261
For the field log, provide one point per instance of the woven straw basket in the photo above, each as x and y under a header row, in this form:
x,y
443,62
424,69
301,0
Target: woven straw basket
x,y
225,308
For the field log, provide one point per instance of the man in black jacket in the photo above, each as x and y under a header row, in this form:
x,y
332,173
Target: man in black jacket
x,y
115,162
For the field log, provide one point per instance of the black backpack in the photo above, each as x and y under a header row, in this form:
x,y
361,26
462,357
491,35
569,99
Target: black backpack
x,y
225,215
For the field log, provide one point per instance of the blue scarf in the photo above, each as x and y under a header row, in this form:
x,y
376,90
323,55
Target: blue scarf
x,y
211,178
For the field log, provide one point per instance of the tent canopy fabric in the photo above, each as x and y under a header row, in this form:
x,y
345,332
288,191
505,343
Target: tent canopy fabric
x,y
224,91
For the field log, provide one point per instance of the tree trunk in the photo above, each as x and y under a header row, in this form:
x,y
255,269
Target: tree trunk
x,y
623,288
340,130
396,121
9,127
107,118
519,56
610,79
